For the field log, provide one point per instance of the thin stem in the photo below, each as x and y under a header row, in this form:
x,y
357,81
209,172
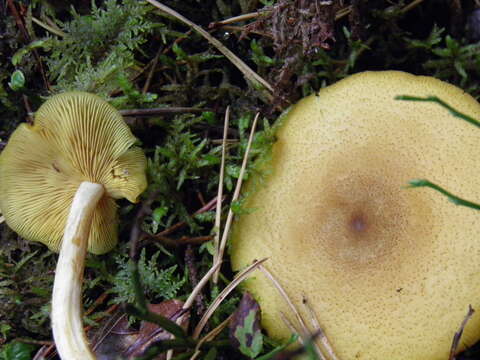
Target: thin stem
x,y
452,198
161,111
218,210
188,303
442,103
228,289
235,19
304,332
49,28
317,329
410,6
236,194
68,333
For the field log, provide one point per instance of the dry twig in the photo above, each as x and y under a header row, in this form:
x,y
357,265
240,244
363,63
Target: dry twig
x,y
209,206
193,295
317,329
304,331
218,212
182,241
253,15
152,70
49,28
161,111
210,336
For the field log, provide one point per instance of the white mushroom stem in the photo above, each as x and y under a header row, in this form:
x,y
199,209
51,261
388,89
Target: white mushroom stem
x,y
67,325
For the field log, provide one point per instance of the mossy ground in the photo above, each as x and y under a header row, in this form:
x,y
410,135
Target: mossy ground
x,y
138,58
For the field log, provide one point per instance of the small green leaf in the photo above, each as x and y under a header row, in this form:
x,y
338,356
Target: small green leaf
x,y
460,69
17,80
205,217
5,329
42,43
209,117
181,54
211,355
24,260
233,171
17,351
159,213
41,292
278,349
236,207
209,247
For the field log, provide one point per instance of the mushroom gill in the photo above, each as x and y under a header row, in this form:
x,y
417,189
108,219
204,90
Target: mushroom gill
x,y
76,137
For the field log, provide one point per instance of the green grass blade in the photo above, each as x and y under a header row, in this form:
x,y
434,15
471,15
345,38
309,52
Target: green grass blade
x,y
453,198
161,321
439,101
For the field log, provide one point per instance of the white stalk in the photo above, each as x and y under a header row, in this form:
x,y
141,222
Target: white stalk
x,y
67,307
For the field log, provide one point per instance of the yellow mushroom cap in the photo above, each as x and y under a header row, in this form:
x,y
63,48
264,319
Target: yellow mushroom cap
x,y
390,272
75,137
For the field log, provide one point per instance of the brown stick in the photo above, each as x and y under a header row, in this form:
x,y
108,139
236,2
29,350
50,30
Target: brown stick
x,y
97,302
152,70
209,206
161,111
184,240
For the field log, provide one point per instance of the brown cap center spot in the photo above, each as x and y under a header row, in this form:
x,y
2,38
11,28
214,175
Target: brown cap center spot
x,y
358,224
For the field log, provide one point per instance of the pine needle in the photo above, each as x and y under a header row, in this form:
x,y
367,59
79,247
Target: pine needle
x,y
188,303
210,336
228,289
236,194
317,329
304,331
218,211
191,298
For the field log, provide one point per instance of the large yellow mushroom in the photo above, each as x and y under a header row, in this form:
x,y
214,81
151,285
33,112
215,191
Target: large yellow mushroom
x,y
59,179
390,272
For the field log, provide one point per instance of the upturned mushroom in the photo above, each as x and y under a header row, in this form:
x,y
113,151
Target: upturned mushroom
x,y
390,272
59,179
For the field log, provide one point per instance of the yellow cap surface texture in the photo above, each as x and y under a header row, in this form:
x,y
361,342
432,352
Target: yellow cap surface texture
x,y
389,271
